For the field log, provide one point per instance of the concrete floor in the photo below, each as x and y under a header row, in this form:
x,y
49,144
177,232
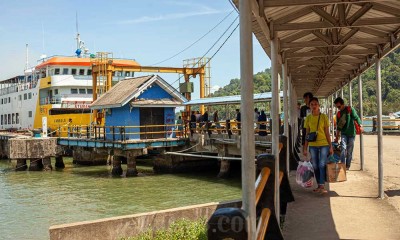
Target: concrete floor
x,y
351,210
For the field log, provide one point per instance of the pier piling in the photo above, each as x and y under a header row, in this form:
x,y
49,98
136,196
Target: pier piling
x,y
131,162
35,165
47,164
117,169
21,165
59,162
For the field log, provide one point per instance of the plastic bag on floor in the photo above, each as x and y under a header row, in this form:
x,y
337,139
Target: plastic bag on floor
x,y
305,174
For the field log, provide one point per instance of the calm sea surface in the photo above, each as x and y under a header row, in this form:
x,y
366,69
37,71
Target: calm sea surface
x,y
30,202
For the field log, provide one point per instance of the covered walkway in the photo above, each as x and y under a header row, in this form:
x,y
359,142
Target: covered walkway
x,y
319,46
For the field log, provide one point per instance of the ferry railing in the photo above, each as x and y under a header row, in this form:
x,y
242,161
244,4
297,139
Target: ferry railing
x,y
231,223
230,127
123,133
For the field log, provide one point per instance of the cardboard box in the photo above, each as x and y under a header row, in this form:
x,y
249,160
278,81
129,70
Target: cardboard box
x,y
336,172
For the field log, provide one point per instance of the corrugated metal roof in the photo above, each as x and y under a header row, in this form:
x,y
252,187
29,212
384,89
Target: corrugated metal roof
x,y
128,89
318,36
235,99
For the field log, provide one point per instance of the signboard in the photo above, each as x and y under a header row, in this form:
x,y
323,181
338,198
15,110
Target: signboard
x,y
44,126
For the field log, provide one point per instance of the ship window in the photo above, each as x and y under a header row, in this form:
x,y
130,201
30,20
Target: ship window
x,y
9,118
17,118
9,99
81,71
20,97
73,71
89,72
82,91
55,91
1,101
30,114
1,119
51,72
89,91
13,118
29,95
25,96
127,74
57,71
74,91
65,71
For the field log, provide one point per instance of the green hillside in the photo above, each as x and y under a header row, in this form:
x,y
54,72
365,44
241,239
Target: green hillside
x,y
390,87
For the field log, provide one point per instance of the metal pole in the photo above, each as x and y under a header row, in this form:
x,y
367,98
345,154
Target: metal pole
x,y
332,122
341,92
247,106
380,129
275,119
360,100
286,111
350,94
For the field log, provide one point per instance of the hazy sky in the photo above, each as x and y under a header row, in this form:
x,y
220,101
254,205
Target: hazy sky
x,y
148,31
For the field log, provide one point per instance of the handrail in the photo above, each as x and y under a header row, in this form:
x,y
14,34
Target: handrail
x,y
266,212
263,223
261,182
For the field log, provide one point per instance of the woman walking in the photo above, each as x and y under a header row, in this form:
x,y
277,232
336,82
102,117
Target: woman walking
x,y
319,141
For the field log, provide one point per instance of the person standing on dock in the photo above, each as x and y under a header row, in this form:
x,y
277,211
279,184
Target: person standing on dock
x,y
304,112
319,140
216,121
238,120
262,125
347,118
179,124
192,123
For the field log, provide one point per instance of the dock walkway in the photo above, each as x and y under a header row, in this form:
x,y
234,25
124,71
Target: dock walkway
x,y
350,211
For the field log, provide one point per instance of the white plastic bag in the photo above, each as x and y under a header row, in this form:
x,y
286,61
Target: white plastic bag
x,y
305,174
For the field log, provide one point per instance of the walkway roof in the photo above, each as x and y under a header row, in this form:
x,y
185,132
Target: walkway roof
x,y
327,43
235,99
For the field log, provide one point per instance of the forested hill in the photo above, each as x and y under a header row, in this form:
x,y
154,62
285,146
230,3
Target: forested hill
x,y
390,86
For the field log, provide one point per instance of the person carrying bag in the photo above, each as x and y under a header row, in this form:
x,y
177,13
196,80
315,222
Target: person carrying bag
x,y
319,140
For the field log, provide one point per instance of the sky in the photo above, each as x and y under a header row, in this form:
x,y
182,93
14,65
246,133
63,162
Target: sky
x,y
148,31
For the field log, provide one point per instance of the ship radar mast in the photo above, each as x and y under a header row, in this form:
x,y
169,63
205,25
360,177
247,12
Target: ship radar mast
x,y
80,45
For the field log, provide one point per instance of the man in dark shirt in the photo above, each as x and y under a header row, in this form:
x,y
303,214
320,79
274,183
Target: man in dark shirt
x,y
238,119
304,112
192,124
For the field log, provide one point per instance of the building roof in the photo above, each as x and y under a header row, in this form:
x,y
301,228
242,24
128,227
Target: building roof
x,y
128,90
326,43
259,97
83,62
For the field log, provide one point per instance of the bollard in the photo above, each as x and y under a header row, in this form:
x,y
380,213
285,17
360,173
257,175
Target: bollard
x,y
227,223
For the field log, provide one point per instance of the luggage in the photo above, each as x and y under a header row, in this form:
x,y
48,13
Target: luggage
x,y
336,172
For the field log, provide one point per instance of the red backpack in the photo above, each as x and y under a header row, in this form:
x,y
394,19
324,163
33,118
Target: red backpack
x,y
356,125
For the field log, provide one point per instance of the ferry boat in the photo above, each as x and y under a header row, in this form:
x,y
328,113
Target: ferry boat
x,y
59,88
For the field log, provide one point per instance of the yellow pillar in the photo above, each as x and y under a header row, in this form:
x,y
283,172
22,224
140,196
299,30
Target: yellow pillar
x,y
202,86
94,86
109,80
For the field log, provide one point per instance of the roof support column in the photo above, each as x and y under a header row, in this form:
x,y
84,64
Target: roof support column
x,y
286,111
350,94
360,100
341,92
379,127
275,118
247,107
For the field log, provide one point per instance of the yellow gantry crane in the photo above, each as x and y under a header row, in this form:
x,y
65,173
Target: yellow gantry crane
x,y
104,66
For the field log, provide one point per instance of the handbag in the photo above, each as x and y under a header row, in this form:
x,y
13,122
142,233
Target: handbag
x,y
312,136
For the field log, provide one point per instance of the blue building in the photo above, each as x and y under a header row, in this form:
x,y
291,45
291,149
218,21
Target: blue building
x,y
139,108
